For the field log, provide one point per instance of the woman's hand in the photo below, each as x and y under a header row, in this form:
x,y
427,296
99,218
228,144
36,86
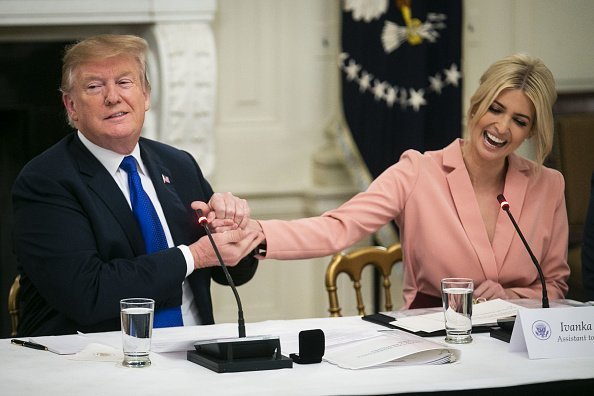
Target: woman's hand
x,y
491,290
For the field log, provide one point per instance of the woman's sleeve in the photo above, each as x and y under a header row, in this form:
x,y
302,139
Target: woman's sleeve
x,y
340,228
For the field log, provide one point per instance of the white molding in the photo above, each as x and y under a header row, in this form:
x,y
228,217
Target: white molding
x,y
66,12
252,42
187,76
558,32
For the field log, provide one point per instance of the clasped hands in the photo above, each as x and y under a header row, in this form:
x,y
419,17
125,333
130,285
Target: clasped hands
x,y
490,290
228,219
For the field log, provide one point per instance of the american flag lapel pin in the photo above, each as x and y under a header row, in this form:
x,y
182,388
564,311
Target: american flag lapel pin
x,y
166,179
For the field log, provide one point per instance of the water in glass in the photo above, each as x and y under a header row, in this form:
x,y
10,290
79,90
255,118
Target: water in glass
x,y
137,326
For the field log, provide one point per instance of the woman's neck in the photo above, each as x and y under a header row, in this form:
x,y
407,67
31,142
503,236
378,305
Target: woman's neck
x,y
484,174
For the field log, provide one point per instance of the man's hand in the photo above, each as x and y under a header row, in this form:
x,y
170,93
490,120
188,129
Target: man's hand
x,y
224,212
233,246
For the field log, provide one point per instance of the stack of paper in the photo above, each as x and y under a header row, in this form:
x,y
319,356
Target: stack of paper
x,y
390,347
483,314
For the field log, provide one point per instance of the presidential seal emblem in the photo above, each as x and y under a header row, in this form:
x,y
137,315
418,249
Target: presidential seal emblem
x,y
541,330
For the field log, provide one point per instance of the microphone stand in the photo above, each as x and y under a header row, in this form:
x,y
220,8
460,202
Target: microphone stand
x,y
240,319
505,206
237,354
506,325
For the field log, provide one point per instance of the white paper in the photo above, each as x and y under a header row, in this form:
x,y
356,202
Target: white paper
x,y
63,345
331,338
339,337
482,314
394,347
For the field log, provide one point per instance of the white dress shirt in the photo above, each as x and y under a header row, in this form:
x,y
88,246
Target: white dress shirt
x,y
111,161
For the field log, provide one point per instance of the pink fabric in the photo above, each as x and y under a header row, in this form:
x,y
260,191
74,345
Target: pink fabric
x,y
431,198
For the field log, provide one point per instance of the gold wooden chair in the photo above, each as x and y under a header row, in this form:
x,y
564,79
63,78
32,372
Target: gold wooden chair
x,y
353,263
13,304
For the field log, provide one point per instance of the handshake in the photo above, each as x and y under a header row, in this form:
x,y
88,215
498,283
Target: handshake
x,y
233,231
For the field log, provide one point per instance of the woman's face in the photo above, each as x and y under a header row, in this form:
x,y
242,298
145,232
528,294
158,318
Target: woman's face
x,y
503,128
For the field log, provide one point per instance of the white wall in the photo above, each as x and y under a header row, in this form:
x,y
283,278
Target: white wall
x,y
557,31
278,91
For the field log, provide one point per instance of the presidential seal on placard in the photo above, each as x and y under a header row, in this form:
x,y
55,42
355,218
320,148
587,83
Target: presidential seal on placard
x,y
541,330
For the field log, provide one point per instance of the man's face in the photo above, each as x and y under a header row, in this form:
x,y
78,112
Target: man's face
x,y
107,102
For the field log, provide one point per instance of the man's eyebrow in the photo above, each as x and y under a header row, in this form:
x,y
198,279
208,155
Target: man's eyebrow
x,y
92,76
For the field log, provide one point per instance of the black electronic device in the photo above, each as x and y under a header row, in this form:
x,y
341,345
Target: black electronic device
x,y
311,347
242,353
230,355
506,325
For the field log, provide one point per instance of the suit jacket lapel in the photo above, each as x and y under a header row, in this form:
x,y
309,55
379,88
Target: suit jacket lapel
x,y
179,218
516,185
468,209
101,182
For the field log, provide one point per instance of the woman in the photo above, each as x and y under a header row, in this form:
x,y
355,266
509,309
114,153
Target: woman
x,y
445,201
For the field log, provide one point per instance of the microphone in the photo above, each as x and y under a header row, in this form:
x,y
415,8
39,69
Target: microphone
x,y
236,354
505,207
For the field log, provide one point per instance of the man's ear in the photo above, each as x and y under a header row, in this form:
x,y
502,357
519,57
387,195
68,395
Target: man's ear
x,y
70,106
147,100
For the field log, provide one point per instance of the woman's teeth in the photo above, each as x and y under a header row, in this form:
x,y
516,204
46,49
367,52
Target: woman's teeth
x,y
494,140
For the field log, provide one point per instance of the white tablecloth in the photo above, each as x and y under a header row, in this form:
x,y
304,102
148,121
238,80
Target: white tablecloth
x,y
485,363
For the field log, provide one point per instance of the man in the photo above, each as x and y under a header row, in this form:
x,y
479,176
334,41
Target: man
x,y
105,214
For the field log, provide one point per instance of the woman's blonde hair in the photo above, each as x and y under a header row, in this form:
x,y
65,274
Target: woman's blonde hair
x,y
529,75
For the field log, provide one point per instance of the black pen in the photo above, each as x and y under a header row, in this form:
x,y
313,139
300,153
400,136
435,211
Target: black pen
x,y
29,344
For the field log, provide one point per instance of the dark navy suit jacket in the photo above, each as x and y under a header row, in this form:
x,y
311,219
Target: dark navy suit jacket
x,y
80,250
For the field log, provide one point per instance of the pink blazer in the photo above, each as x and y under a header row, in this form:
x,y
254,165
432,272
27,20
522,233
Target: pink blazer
x,y
431,198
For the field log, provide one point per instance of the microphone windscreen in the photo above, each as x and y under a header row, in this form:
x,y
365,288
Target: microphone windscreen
x,y
503,202
201,218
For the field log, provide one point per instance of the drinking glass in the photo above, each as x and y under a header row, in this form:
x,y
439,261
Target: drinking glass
x,y
137,327
456,296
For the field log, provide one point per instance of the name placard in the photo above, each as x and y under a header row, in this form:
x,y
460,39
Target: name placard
x,y
554,332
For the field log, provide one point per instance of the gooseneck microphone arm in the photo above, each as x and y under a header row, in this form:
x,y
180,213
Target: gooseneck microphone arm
x,y
505,207
240,321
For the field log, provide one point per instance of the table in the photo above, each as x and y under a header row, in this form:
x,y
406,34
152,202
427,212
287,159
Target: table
x,y
485,363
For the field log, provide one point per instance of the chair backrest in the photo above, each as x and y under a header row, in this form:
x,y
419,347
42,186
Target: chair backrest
x,y
352,263
13,305
572,156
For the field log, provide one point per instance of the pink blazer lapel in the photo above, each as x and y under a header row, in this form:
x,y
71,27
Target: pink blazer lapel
x,y
516,185
468,210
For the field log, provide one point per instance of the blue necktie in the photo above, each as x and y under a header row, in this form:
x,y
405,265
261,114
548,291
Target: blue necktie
x,y
152,232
